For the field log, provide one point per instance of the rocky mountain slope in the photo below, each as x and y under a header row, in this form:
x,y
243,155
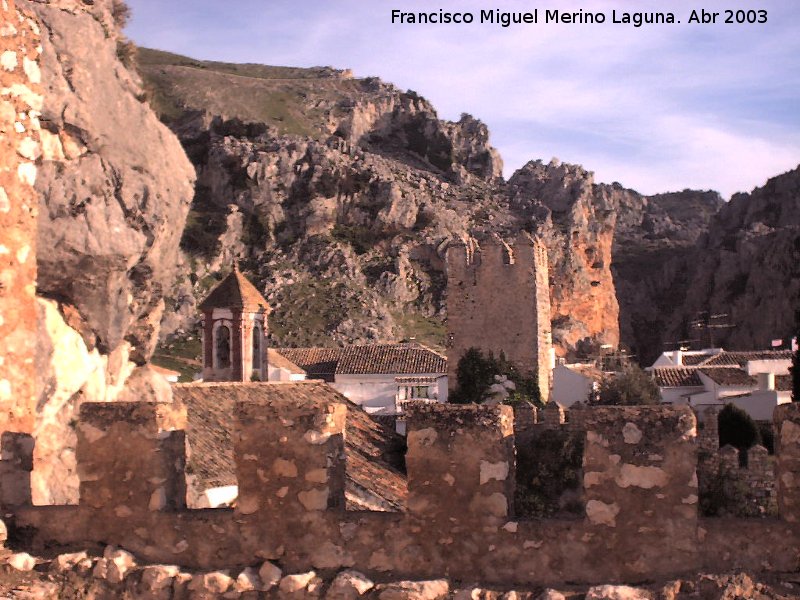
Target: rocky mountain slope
x,y
339,196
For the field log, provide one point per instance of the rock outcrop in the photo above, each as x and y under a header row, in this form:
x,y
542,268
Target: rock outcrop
x,y
577,219
653,240
114,187
348,223
747,267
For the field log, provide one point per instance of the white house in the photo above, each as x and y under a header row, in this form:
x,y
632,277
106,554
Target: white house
x,y
574,382
755,381
280,368
381,378
685,358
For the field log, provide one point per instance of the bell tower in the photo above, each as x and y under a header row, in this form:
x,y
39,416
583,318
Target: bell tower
x,y
235,331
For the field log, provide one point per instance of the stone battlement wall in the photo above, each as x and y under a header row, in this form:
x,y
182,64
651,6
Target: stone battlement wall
x,y
498,300
728,486
639,483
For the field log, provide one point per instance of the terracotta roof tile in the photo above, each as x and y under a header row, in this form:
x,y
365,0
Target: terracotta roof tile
x,y
319,363
690,360
729,376
276,359
676,377
235,291
385,359
369,359
374,453
742,358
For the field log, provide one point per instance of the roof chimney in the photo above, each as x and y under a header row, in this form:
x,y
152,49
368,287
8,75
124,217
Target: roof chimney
x,y
677,357
766,381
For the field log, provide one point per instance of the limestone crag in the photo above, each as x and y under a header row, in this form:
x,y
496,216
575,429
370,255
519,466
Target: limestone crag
x,y
114,189
577,218
360,233
367,204
653,240
748,267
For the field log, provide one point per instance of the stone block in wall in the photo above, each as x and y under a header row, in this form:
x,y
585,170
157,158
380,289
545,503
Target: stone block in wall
x,y
128,459
526,415
16,464
728,458
640,482
552,415
708,434
787,447
460,463
758,458
289,452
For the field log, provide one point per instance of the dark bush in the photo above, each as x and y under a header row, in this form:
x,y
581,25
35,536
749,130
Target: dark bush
x,y
476,372
737,429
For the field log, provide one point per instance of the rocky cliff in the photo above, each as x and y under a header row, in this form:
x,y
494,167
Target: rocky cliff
x,y
339,195
746,267
345,225
114,187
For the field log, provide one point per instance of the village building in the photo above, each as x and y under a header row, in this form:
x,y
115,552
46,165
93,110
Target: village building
x,y
381,378
755,381
575,382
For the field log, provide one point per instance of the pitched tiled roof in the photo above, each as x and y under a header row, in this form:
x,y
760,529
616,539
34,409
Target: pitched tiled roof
x,y
235,291
732,376
695,359
385,359
676,377
370,359
742,358
373,453
319,363
276,359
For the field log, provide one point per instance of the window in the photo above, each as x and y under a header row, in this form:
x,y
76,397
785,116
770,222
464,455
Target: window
x,y
257,348
223,347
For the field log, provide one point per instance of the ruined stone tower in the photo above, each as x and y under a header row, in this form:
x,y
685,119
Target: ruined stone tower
x,y
234,331
498,300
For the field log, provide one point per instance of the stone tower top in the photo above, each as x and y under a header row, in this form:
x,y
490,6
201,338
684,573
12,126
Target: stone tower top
x,y
234,331
235,291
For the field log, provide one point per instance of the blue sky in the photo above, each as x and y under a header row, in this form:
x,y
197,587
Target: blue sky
x,y
657,108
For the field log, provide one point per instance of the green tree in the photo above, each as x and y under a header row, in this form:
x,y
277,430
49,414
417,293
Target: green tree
x,y
631,387
476,372
737,429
